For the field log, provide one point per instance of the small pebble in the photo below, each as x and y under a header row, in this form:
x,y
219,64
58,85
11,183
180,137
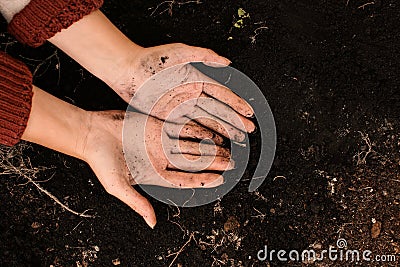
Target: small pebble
x,y
116,262
35,225
376,229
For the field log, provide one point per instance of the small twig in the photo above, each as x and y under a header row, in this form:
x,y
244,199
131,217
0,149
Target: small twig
x,y
170,5
260,196
75,227
26,170
218,262
43,181
177,224
229,79
239,144
7,44
42,62
159,5
177,207
260,215
220,243
365,188
180,250
193,192
256,33
218,208
279,177
362,156
366,4
81,214
258,177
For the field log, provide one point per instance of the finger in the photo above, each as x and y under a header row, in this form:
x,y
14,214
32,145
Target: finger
x,y
199,54
225,95
225,113
200,149
192,130
217,125
193,163
193,180
214,65
135,201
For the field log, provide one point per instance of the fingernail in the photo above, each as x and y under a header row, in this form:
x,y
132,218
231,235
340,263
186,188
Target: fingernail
x,y
216,65
215,183
151,224
239,137
250,114
219,181
254,130
231,164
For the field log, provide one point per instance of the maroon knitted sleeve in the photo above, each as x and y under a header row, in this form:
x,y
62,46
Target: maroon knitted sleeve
x,y
15,99
42,19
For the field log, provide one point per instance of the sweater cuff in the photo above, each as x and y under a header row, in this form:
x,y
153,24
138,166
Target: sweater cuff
x,y
15,99
42,19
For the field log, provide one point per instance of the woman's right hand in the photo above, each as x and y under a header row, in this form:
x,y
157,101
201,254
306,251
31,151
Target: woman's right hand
x,y
151,157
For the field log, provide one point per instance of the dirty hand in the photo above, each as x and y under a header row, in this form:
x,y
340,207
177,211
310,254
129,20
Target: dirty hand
x,y
153,152
211,104
152,157
106,52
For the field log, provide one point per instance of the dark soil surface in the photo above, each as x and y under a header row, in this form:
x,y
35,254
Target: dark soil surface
x,y
331,73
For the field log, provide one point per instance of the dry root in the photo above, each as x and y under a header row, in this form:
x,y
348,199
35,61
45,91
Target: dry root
x,y
14,163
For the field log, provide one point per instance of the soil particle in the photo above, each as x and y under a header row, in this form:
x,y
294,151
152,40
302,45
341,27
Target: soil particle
x,y
232,224
164,59
376,229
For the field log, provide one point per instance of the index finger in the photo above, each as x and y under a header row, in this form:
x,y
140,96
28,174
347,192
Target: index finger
x,y
225,95
200,54
225,112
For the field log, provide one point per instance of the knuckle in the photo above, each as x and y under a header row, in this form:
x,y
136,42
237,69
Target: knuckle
x,y
210,51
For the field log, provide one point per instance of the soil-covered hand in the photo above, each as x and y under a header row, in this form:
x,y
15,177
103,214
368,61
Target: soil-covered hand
x,y
102,49
145,62
219,107
150,152
152,156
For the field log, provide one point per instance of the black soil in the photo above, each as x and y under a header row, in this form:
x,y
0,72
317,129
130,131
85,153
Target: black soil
x,y
331,73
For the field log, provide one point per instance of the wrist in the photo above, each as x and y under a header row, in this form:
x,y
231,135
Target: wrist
x,y
56,124
125,64
100,47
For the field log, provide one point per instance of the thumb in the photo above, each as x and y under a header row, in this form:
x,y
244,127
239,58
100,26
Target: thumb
x,y
137,202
